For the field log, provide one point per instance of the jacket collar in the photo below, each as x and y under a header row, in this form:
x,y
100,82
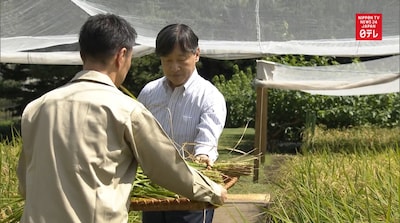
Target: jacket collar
x,y
94,76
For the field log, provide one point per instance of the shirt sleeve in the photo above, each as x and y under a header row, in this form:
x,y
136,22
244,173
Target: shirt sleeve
x,y
162,163
212,122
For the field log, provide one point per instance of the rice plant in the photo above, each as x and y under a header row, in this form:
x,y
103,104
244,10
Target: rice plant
x,y
11,203
343,179
339,187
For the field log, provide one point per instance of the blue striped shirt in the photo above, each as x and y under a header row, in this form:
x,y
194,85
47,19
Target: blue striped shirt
x,y
193,115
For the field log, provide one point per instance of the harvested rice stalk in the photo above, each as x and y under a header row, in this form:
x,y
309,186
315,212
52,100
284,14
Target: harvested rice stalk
x,y
144,188
214,175
229,168
234,169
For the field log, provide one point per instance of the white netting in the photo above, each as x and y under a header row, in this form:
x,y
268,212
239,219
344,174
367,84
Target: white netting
x,y
46,31
228,29
372,77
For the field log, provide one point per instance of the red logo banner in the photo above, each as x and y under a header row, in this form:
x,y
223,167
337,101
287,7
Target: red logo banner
x,y
369,26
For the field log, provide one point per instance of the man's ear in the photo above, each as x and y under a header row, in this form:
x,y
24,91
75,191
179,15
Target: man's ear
x,y
121,56
197,54
83,58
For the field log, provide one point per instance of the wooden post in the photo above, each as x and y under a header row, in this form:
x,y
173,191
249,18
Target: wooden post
x,y
264,125
260,130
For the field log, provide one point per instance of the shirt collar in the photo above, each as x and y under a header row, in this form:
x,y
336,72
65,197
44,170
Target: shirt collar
x,y
191,79
186,85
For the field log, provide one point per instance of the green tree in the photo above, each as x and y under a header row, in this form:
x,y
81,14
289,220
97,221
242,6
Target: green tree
x,y
143,70
21,83
239,95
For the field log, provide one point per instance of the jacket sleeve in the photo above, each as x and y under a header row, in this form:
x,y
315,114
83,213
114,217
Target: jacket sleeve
x,y
21,174
162,163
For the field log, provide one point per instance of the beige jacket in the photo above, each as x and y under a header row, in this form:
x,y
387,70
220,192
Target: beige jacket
x,y
82,144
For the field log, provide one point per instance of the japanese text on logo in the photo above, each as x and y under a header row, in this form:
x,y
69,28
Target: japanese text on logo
x,y
369,26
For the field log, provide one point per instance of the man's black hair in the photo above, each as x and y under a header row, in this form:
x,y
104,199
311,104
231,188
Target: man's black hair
x,y
103,35
180,34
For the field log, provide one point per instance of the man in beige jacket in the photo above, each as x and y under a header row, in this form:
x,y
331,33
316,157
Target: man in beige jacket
x,y
83,142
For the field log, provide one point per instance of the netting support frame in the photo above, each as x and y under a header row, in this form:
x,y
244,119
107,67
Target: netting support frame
x,y
260,140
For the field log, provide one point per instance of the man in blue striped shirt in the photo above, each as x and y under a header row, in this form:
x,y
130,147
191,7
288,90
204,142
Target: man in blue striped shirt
x,y
190,109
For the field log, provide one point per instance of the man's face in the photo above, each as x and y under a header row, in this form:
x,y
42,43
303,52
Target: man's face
x,y
178,66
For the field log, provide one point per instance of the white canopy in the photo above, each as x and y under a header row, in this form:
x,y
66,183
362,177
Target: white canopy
x,y
46,31
372,77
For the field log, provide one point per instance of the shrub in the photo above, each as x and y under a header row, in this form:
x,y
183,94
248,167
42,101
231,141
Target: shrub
x,y
239,95
289,110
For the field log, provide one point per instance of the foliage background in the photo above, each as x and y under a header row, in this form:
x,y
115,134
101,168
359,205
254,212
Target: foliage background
x,y
288,111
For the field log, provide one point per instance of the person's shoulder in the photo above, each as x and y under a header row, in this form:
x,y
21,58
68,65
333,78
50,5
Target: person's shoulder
x,y
33,107
127,105
150,88
127,101
207,86
206,91
154,83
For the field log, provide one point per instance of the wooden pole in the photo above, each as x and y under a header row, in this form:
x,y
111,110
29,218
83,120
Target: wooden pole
x,y
258,142
264,124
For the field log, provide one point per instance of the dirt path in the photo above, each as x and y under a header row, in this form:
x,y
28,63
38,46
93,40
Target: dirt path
x,y
238,213
248,212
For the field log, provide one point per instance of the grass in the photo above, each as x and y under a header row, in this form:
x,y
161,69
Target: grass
x,y
10,201
233,143
350,175
357,139
329,187
236,138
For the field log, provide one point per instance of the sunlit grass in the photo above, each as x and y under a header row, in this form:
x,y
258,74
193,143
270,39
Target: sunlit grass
x,y
236,142
336,181
357,139
10,201
355,185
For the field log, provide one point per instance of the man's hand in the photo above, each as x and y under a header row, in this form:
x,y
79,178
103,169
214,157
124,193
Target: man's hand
x,y
204,159
224,194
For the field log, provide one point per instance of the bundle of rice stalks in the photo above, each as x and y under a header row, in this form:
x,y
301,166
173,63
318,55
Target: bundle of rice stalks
x,y
234,169
221,173
214,175
231,168
144,188
147,196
